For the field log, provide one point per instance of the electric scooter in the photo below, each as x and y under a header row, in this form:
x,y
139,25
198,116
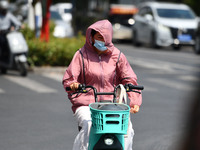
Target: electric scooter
x,y
15,55
109,119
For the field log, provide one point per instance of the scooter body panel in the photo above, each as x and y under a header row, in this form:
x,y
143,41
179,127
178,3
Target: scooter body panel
x,y
109,125
98,141
16,53
16,42
21,58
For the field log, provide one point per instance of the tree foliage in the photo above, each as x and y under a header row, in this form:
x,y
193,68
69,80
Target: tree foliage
x,y
57,52
194,4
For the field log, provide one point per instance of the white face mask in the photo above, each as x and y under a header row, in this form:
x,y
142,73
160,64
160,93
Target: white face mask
x,y
100,45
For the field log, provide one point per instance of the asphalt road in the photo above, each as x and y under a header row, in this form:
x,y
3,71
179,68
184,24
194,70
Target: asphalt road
x,y
36,114
170,78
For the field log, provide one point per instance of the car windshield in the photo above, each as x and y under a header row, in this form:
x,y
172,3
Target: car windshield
x,y
67,10
175,13
55,15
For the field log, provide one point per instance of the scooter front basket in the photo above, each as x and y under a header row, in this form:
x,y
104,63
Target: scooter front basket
x,y
109,117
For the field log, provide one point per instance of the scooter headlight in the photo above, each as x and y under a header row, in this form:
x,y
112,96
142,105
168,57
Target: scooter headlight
x,y
109,140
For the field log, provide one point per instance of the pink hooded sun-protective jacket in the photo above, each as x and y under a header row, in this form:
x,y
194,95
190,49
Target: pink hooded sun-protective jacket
x,y
101,71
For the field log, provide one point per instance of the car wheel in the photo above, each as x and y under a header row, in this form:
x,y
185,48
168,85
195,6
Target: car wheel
x,y
23,69
176,47
153,41
197,45
135,39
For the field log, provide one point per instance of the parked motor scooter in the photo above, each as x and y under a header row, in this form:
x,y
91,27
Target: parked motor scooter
x,y
109,119
15,55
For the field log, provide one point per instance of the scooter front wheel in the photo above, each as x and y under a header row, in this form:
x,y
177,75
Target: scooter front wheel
x,y
23,69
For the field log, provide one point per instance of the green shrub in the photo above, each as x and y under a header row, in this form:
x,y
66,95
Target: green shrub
x,y
56,52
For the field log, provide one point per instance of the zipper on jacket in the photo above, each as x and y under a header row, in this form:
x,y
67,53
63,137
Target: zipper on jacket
x,y
102,79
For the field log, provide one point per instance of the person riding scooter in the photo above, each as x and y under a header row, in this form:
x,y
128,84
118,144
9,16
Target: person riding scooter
x,y
100,64
7,22
13,47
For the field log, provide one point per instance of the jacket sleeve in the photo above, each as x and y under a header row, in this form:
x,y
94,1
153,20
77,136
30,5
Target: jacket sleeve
x,y
14,20
73,71
125,75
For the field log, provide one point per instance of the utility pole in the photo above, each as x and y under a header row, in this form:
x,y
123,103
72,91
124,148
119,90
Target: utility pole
x,y
45,20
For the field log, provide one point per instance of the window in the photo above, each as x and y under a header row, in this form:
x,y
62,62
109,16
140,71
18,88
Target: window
x,y
146,10
175,13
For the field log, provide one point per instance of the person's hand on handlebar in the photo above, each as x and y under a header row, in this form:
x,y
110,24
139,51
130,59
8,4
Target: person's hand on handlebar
x,y
12,28
74,86
135,109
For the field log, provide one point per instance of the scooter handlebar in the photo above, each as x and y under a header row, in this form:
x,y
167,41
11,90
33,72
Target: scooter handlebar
x,y
130,86
82,89
136,87
79,87
68,89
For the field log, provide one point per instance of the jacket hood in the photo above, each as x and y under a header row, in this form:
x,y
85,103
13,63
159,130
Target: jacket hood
x,y
104,27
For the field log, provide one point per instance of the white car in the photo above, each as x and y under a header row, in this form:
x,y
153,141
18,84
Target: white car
x,y
121,17
62,28
65,10
165,24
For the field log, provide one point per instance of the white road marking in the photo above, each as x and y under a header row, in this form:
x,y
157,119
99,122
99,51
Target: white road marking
x,y
55,76
172,84
30,84
150,89
189,78
162,65
2,91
